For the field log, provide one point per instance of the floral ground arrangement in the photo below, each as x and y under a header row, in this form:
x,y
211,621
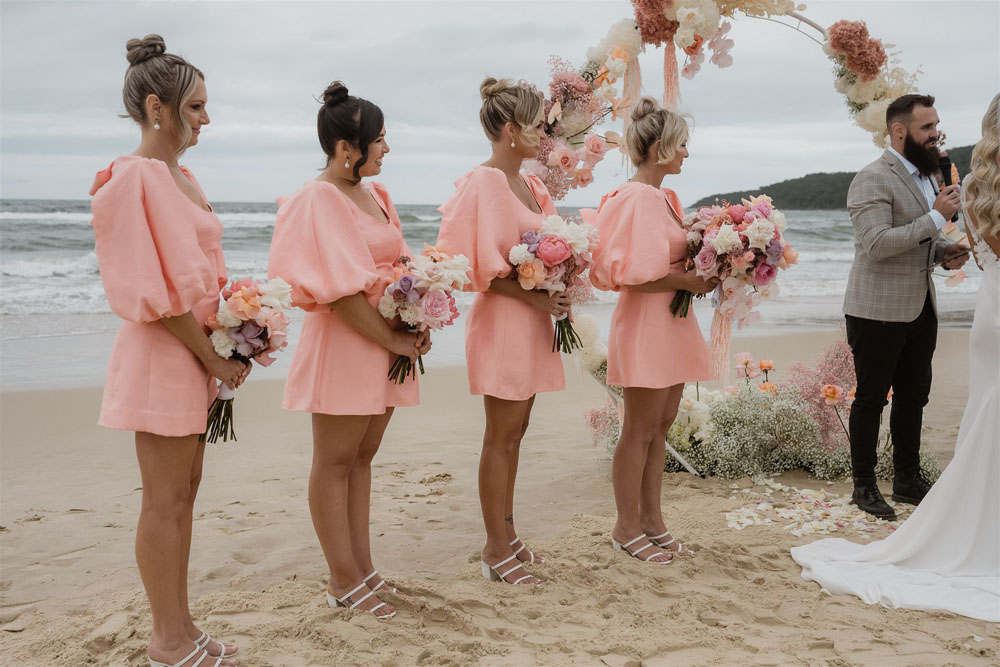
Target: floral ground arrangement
x,y
760,426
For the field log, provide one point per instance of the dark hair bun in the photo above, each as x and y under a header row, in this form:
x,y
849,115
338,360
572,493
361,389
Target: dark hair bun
x,y
334,94
140,50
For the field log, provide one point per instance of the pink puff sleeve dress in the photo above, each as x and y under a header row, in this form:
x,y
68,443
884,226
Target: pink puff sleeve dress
x,y
327,248
642,241
160,255
508,344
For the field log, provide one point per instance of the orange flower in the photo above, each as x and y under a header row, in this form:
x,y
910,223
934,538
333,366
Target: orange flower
x,y
832,394
766,365
852,392
695,47
769,387
602,76
438,253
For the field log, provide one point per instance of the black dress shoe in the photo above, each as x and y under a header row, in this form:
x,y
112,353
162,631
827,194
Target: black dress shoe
x,y
869,499
910,487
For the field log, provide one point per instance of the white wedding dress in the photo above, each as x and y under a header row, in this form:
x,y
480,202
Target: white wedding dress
x,y
947,554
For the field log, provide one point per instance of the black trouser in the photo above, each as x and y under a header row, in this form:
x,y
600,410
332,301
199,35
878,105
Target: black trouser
x,y
894,355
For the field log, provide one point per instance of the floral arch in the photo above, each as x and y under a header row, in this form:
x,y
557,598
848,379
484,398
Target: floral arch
x,y
610,82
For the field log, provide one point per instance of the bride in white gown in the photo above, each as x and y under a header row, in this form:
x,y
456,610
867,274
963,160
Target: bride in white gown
x,y
947,554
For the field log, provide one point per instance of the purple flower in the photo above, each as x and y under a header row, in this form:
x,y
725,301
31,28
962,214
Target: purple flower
x,y
250,333
773,252
531,239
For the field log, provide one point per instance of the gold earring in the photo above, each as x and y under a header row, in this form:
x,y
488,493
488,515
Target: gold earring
x,y
156,123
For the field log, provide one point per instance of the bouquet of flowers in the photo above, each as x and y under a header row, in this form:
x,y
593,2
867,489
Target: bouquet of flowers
x,y
743,245
421,296
250,324
551,259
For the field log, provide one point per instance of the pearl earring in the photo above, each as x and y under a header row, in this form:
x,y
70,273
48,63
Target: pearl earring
x,y
156,123
347,163
512,143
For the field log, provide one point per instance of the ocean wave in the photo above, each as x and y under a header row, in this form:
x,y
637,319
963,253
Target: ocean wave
x,y
45,218
83,266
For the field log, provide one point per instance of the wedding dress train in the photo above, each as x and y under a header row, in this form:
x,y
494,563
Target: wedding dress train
x,y
947,554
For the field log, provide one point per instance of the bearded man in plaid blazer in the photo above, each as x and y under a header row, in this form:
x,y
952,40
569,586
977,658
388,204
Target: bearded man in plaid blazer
x,y
889,305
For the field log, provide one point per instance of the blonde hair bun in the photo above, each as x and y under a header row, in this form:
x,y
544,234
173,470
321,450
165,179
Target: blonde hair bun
x,y
644,107
140,50
491,87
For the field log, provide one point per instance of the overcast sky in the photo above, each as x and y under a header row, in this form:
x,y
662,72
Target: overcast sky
x,y
773,115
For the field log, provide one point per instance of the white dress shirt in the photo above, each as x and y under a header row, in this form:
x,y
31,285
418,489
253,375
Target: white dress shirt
x,y
924,183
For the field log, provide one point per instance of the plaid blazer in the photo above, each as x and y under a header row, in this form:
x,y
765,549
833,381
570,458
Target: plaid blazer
x,y
895,243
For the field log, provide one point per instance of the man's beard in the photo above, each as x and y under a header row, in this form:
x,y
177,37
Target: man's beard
x,y
925,159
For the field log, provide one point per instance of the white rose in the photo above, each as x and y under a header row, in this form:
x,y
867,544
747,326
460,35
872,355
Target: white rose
x,y
223,343
778,218
277,294
520,254
727,240
759,233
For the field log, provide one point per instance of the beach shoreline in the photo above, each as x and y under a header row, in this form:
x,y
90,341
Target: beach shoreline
x,y
71,591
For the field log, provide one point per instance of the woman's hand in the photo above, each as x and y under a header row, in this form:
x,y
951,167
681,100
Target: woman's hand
x,y
230,372
557,304
404,344
423,342
697,284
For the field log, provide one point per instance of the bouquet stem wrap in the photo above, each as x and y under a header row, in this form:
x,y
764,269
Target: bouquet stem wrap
x,y
220,417
720,339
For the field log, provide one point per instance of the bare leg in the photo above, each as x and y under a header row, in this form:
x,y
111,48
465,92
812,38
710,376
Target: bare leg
x,y
336,442
525,554
643,414
505,424
359,493
162,539
650,513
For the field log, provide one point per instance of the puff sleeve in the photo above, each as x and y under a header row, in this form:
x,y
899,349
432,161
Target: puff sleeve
x,y
318,249
479,222
634,247
152,264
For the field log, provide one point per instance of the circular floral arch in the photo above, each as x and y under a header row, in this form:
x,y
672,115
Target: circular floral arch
x,y
610,82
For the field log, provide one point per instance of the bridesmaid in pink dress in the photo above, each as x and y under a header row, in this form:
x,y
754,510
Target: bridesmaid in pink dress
x,y
643,255
508,333
337,241
159,247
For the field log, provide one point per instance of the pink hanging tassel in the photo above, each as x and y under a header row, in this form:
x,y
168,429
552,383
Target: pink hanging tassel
x,y
719,340
631,90
671,83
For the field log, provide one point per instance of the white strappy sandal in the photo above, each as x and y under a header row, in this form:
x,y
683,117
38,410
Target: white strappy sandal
x,y
492,572
381,583
531,554
196,663
663,545
635,554
206,639
346,602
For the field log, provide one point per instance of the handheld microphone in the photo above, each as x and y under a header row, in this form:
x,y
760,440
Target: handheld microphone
x,y
944,163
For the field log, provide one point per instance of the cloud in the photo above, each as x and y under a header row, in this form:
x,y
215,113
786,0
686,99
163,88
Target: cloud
x,y
773,115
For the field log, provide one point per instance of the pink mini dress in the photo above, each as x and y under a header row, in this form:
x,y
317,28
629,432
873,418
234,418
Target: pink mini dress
x,y
327,248
508,344
642,241
160,255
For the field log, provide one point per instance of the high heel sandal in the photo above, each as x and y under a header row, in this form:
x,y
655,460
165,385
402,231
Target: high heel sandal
x,y
206,639
381,583
492,572
635,554
345,601
196,663
531,554
663,545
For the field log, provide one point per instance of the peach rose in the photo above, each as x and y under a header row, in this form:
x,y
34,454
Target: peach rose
x,y
531,274
766,365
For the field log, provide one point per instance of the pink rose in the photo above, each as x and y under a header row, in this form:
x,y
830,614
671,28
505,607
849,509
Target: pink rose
x,y
436,309
563,157
585,177
555,274
736,212
763,274
553,250
705,262
763,209
738,263
596,145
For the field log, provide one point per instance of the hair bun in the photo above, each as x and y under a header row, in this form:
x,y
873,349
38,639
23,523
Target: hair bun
x,y
644,107
140,50
491,87
335,93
